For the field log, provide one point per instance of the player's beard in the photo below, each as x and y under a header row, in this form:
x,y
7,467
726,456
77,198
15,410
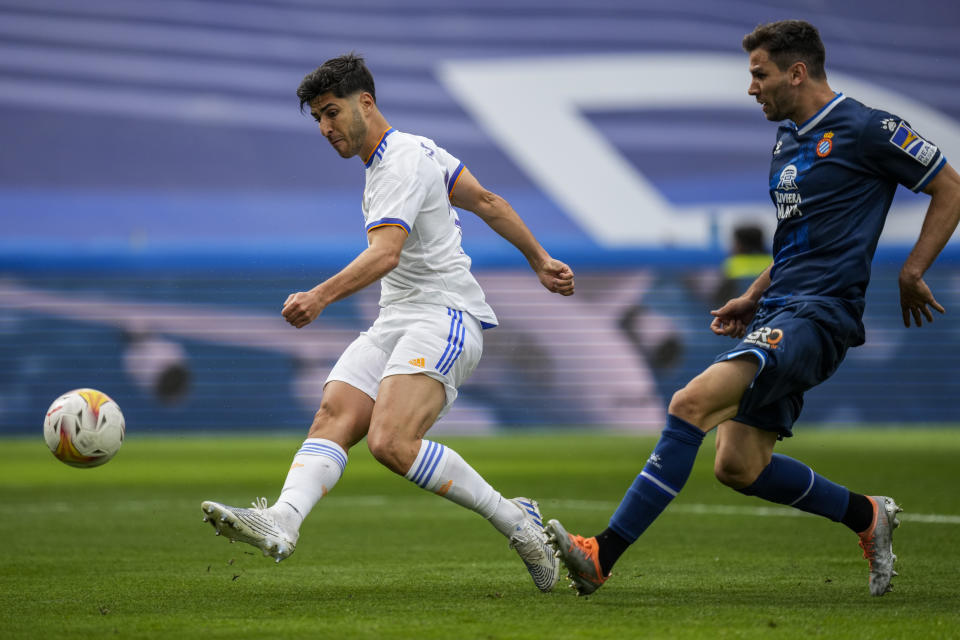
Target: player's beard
x,y
778,103
355,135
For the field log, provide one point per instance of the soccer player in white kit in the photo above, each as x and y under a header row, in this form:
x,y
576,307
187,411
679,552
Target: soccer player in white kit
x,y
398,377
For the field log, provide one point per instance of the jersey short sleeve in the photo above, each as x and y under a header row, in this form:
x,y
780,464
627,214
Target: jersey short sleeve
x,y
452,168
893,149
392,200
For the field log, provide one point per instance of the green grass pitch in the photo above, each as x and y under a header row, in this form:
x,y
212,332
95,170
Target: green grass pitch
x,y
120,550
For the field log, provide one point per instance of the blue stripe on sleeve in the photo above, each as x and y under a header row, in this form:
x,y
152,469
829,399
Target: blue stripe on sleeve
x,y
452,181
934,170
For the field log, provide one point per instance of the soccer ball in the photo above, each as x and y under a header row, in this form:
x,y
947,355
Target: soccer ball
x,y
84,428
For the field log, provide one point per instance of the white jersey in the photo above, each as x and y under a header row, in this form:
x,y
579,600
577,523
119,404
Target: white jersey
x,y
409,180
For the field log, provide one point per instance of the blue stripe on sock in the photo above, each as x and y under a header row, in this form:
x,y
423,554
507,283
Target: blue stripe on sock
x,y
317,449
433,467
323,449
424,461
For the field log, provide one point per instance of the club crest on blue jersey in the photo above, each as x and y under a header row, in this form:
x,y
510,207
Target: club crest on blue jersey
x,y
788,178
825,145
910,142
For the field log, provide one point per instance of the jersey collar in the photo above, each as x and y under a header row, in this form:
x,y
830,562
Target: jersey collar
x,y
378,150
820,115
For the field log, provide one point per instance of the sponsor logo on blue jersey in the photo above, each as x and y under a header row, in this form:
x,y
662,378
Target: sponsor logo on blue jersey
x,y
766,337
787,195
910,142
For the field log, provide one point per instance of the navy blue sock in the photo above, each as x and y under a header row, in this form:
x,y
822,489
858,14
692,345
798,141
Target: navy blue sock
x,y
662,477
788,481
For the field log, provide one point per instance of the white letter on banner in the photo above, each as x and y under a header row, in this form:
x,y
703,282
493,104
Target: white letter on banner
x,y
532,108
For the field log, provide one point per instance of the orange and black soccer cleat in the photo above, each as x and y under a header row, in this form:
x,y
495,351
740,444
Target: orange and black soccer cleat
x,y
877,544
580,555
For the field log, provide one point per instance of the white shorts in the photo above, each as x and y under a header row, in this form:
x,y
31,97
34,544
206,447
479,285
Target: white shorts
x,y
409,338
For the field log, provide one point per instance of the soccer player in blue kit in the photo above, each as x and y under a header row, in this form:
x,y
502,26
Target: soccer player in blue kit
x,y
836,165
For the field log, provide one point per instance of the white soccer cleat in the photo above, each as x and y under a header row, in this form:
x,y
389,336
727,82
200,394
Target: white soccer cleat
x,y
530,542
257,527
877,544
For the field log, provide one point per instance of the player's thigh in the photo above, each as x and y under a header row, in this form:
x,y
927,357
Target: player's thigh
x,y
407,406
438,342
714,395
349,393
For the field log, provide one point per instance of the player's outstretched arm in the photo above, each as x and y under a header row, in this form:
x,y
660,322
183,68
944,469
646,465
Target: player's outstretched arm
x,y
941,220
374,262
735,315
469,194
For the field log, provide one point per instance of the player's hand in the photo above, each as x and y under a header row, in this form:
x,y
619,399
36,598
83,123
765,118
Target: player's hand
x,y
556,277
916,299
733,318
302,308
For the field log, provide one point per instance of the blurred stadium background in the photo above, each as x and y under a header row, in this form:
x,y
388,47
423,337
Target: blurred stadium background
x,y
161,196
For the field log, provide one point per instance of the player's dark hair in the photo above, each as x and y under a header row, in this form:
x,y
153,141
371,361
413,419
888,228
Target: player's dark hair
x,y
341,76
787,42
748,238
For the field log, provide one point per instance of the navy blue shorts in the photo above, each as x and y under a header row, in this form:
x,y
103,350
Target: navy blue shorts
x,y
799,344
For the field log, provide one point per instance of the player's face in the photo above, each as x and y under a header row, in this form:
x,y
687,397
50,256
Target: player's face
x,y
341,122
770,86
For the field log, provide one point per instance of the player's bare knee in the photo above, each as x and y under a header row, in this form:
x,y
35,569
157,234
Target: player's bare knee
x,y
686,404
380,446
732,472
389,450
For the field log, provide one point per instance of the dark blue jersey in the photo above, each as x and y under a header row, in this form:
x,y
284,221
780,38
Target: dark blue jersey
x,y
832,180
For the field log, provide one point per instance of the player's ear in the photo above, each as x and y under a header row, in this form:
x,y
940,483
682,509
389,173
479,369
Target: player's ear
x,y
797,72
366,101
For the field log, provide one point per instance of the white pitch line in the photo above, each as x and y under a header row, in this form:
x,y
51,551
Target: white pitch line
x,y
373,501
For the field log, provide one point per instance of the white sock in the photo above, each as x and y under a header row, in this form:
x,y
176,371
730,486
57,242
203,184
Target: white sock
x,y
441,470
315,470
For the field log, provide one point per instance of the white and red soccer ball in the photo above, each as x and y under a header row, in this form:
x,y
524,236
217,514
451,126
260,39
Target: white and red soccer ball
x,y
84,428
